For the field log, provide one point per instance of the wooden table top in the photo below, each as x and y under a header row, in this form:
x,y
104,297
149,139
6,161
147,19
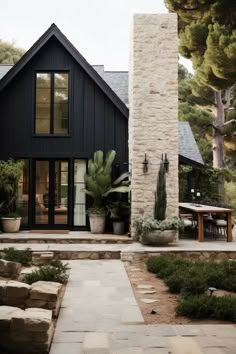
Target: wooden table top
x,y
200,208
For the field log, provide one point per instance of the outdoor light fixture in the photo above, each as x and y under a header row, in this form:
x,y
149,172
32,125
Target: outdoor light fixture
x,y
166,163
211,290
145,164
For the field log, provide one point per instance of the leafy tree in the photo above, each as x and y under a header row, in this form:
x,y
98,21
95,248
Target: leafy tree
x,y
10,53
207,36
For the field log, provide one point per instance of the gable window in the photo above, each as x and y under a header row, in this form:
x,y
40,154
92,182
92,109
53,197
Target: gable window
x,y
52,103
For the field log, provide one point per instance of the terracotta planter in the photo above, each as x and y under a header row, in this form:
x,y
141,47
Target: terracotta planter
x,y
159,238
97,223
118,227
11,225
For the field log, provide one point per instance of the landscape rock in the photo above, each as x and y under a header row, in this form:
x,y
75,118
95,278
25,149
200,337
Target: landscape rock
x,y
26,271
32,320
6,314
41,258
45,290
27,332
145,286
147,292
149,301
9,269
16,289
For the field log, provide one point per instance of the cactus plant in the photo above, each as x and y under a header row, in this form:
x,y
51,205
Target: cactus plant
x,y
160,196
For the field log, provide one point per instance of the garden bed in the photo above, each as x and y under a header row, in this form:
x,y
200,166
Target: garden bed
x,y
162,311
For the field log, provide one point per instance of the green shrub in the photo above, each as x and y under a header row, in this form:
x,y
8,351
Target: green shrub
x,y
205,306
175,282
194,284
24,257
56,271
175,265
164,266
155,263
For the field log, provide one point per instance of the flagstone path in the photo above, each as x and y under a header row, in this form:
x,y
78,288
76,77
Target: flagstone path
x,y
99,315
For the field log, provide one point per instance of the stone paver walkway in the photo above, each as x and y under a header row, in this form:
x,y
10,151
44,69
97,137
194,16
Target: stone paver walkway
x,y
99,315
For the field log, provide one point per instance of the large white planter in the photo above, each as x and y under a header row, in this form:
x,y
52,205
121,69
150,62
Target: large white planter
x,y
97,223
11,225
159,238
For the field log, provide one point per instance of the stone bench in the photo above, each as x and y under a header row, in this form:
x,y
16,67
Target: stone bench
x,y
25,331
42,294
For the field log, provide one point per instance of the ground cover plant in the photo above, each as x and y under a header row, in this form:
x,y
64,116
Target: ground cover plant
x,y
192,279
11,254
56,271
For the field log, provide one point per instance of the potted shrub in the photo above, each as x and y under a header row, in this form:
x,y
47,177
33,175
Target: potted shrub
x,y
99,186
119,213
158,230
10,174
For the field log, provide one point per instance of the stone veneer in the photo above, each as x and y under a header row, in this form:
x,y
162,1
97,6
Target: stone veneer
x,y
153,97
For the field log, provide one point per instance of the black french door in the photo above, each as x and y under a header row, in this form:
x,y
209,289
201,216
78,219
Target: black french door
x,y
50,197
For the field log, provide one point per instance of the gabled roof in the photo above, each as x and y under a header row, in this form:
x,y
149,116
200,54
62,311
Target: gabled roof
x,y
113,83
54,31
188,150
117,80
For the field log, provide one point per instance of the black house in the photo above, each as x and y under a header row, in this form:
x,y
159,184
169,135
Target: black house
x,y
55,111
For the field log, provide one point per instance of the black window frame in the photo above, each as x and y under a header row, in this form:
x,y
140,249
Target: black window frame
x,y
52,91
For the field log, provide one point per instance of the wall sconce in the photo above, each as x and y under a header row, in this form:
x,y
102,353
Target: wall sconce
x,y
166,163
145,164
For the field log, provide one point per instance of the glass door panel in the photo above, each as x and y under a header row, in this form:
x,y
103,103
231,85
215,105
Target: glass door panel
x,y
79,197
42,192
22,203
61,192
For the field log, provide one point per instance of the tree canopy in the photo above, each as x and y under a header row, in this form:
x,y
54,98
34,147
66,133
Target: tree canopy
x,y
9,52
207,36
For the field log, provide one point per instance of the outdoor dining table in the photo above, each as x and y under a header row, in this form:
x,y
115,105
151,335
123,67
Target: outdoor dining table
x,y
200,210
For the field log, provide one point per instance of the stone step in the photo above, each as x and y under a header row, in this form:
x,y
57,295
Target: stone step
x,y
71,251
78,238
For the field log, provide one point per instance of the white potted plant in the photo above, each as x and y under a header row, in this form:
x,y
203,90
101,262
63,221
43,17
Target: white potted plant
x,y
99,186
10,174
158,230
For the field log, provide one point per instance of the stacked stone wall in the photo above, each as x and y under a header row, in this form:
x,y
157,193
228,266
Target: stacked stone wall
x,y
153,122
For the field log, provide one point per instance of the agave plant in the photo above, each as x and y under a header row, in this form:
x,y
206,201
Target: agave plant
x,y
98,180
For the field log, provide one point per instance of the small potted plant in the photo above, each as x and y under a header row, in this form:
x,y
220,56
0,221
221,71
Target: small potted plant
x,y
158,230
99,186
10,174
119,213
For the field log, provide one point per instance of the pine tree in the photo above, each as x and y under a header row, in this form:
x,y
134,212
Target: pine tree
x,y
207,36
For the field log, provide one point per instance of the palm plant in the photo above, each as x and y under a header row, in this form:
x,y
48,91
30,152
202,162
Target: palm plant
x,y
98,180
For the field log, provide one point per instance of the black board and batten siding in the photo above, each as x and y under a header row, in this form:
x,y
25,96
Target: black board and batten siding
x,y
95,122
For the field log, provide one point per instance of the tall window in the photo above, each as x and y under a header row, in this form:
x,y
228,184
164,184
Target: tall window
x,y
52,103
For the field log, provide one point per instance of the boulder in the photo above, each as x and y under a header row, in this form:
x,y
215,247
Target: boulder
x,y
32,320
16,289
44,290
6,314
9,269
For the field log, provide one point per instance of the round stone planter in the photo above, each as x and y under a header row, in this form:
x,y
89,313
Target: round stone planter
x,y
11,225
118,227
159,238
97,223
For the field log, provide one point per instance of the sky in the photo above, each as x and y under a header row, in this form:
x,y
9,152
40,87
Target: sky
x,y
99,29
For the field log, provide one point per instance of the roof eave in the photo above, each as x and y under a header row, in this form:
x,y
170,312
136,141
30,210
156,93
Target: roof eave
x,y
54,31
